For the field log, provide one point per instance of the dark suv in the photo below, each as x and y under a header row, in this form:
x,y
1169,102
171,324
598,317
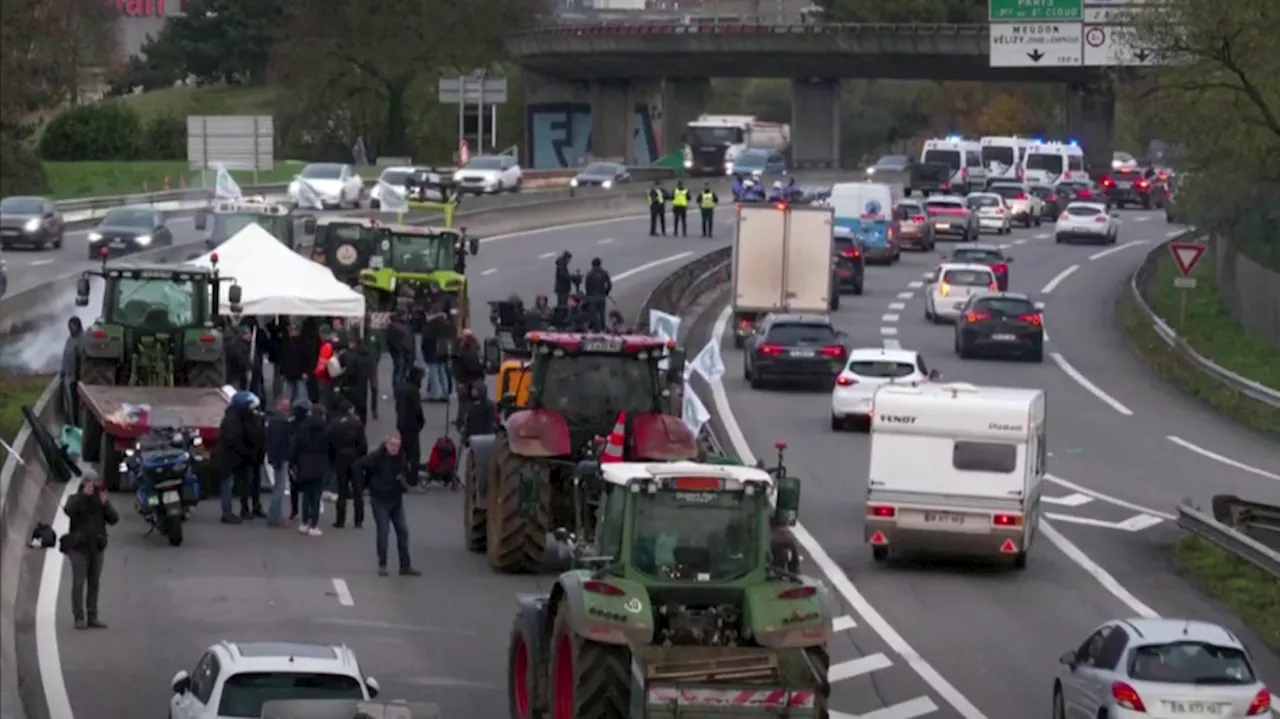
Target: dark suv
x,y
1128,187
851,265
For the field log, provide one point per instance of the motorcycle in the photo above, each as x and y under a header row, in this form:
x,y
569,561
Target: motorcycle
x,y
162,465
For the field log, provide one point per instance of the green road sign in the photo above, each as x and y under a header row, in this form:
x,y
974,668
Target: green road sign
x,y
1019,10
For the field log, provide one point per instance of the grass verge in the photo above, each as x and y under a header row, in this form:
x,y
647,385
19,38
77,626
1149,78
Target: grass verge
x,y
100,179
17,390
183,101
1249,592
1212,333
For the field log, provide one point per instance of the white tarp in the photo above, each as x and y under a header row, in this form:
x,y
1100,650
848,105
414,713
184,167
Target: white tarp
x,y
695,413
665,326
225,187
708,362
276,281
308,198
392,200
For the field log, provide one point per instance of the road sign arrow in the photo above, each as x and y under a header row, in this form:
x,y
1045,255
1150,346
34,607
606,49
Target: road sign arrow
x,y
1141,55
1035,55
1186,255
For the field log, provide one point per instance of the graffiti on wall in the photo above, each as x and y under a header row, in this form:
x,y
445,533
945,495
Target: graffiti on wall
x,y
559,135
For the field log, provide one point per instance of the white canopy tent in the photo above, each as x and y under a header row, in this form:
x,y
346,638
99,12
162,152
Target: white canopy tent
x,y
274,280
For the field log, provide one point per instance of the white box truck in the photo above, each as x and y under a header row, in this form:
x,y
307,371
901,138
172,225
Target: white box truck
x,y
782,262
955,469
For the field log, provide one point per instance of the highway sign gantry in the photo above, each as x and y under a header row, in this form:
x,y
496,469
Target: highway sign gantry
x,y
1114,45
1037,44
1186,255
1022,10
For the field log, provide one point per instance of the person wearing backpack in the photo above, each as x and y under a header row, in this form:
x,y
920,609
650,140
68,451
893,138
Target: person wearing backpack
x,y
410,422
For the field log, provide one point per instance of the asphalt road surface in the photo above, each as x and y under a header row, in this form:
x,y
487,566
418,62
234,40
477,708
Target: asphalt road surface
x,y
951,639
441,637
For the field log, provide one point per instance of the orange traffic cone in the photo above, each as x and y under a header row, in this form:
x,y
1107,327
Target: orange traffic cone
x,y
613,448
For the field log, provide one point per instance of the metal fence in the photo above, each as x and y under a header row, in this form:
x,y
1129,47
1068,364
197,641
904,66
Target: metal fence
x,y
1249,291
1249,530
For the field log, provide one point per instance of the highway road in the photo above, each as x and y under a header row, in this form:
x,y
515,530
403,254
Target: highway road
x,y
949,638
441,637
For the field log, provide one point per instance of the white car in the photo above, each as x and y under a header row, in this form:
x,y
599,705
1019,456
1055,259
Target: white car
x,y
1163,667
868,369
490,174
1087,221
992,211
950,286
337,184
1024,205
394,178
233,679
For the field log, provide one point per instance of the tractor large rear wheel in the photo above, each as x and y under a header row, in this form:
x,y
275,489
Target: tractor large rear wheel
x,y
517,540
589,680
474,519
206,374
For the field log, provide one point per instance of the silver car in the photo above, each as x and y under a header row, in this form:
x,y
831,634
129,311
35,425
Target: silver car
x,y
949,286
1087,221
951,218
1143,668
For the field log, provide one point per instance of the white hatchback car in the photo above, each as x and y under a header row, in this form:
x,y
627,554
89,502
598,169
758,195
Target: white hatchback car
x,y
992,211
868,369
490,174
950,286
233,679
336,185
1089,221
1024,205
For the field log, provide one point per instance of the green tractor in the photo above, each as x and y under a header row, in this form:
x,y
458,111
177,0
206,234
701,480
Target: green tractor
x,y
680,603
409,257
346,245
231,216
156,328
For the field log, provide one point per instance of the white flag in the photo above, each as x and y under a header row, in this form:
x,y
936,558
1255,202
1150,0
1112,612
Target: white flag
x,y
665,326
708,363
308,198
695,413
225,186
392,199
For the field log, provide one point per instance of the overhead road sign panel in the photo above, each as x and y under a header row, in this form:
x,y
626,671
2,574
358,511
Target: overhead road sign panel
x,y
1016,10
1036,44
1110,15
1114,45
1186,255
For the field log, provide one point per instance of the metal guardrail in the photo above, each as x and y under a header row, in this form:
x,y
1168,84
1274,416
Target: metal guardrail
x,y
1249,530
684,285
1250,388
751,26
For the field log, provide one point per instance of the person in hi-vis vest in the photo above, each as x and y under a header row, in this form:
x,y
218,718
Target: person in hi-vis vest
x,y
707,202
680,210
657,209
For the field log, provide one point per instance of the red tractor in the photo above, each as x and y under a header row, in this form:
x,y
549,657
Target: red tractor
x,y
519,480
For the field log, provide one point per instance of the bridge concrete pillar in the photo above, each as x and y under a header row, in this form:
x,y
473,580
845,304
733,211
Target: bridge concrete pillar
x,y
1091,120
815,123
683,100
612,123
557,121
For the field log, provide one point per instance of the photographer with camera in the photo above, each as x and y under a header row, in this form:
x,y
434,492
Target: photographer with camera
x,y
565,279
84,544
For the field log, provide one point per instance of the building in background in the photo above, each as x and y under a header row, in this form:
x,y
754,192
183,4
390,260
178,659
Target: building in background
x,y
139,19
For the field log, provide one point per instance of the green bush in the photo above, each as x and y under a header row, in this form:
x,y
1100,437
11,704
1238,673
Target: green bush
x,y
166,138
107,131
20,170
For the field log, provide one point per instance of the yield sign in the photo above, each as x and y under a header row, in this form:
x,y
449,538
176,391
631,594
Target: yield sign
x,y
1186,254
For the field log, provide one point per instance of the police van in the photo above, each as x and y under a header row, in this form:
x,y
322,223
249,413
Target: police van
x,y
1003,157
963,159
1052,162
955,469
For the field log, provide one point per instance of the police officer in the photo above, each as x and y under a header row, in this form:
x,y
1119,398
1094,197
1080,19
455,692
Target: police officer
x,y
707,202
657,210
596,287
680,210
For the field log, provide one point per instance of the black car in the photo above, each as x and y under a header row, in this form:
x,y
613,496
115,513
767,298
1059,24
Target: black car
x,y
129,229
1004,323
889,166
4,277
1070,191
794,348
1050,203
982,254
30,222
1128,187
851,265
601,174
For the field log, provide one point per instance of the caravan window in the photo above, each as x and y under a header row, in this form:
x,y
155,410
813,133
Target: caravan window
x,y
984,457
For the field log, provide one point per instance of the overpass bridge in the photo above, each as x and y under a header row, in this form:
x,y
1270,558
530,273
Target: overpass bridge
x,y
627,88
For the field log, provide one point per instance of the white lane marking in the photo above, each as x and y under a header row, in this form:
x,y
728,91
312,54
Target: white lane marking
x,y
605,241
915,284
1219,458
558,228
888,318
910,709
1136,523
650,265
1142,218
897,306
1093,389
834,573
1057,280
843,624
1109,582
1174,233
1071,500
546,255
49,655
1117,248
489,271
1022,241
1042,236
889,331
906,295
857,667
1139,522
1107,497
1005,245
926,275
343,592
40,263
892,344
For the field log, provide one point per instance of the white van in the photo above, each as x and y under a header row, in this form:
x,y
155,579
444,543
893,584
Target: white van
x,y
1051,162
964,157
1003,157
955,469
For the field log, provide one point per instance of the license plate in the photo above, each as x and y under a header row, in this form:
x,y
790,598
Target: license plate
x,y
11,233
1196,708
803,353
117,243
603,344
944,226
1003,338
943,518
171,497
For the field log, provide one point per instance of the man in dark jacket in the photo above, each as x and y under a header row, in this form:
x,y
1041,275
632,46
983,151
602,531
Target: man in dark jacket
x,y
564,279
241,440
409,423
69,372
296,360
239,363
480,415
91,513
383,472
279,444
539,316
346,437
596,288
437,341
358,383
400,347
299,413
312,459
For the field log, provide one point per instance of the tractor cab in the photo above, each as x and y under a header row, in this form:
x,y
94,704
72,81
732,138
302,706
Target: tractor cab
x,y
157,325
510,361
346,245
231,216
410,257
347,709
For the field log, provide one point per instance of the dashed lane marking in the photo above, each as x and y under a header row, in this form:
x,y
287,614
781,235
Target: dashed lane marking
x,y
915,284
889,318
897,306
1043,236
343,592
857,667
605,241
888,330
546,255
843,624
1071,500
1175,233
892,344
489,271
906,295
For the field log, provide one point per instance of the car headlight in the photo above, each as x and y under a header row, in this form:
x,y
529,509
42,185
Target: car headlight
x,y
32,225
607,184
294,187
573,182
143,239
688,164
871,170
95,236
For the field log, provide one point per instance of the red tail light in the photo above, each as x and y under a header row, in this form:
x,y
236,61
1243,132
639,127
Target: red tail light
x,y
943,185
976,317
883,511
1126,697
744,324
598,587
1162,177
1084,194
1143,184
1051,198
1020,196
850,253
798,593
207,338
993,287
918,219
698,484
1007,520
1000,269
1261,704
771,349
846,381
1100,218
1032,319
98,335
833,351
1108,182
